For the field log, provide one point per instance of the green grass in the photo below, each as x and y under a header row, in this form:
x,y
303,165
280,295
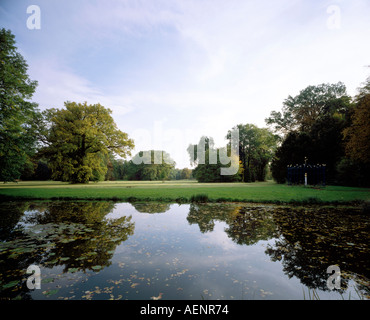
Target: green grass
x,y
182,191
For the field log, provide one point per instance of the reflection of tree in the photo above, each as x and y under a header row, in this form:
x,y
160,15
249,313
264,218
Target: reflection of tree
x,y
151,207
247,225
85,238
10,213
74,234
205,215
11,269
313,239
251,225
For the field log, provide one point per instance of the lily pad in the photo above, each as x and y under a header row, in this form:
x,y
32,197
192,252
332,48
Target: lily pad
x,y
50,292
97,267
67,240
64,258
10,284
47,280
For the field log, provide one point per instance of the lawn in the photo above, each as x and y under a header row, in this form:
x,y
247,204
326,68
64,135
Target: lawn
x,y
182,191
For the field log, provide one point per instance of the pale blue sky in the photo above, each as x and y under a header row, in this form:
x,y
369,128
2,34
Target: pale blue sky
x,y
173,71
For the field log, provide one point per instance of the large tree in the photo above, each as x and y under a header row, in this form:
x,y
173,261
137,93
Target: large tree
x,y
357,136
256,148
312,124
78,140
209,162
321,144
301,112
18,115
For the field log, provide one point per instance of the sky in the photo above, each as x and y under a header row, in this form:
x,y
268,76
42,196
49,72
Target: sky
x,y
172,71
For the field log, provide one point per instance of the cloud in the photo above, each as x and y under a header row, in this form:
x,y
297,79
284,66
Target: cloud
x,y
196,66
219,238
57,84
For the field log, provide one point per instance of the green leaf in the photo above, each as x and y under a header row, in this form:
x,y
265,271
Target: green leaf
x,y
97,267
50,292
11,284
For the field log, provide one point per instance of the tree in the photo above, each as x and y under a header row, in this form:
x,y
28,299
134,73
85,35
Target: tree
x,y
150,165
256,148
312,123
301,111
208,162
186,173
322,144
18,116
294,148
357,135
79,138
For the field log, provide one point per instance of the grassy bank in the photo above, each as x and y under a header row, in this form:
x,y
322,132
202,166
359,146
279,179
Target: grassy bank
x,y
181,191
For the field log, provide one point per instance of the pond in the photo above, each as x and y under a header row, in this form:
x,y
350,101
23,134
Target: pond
x,y
107,250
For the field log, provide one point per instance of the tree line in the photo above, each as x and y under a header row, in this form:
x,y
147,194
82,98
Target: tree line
x,y
82,143
78,144
326,126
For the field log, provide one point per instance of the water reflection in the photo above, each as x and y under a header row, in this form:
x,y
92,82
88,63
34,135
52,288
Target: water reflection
x,y
246,225
308,240
75,235
312,239
85,237
155,207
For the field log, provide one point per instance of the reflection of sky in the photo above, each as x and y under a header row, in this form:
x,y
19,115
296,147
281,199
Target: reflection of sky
x,y
166,242
165,254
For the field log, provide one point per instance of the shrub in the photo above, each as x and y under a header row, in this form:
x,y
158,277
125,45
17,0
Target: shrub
x,y
199,198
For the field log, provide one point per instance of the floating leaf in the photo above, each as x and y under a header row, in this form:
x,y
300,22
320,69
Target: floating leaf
x,y
97,267
64,258
67,240
47,280
10,284
50,292
81,258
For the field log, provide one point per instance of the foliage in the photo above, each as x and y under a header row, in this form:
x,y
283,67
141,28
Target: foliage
x,y
301,111
18,116
256,148
199,198
353,173
150,165
358,134
208,169
181,174
321,115
79,138
322,144
186,173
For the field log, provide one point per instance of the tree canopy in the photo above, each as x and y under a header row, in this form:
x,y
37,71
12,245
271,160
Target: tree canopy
x,y
79,138
357,136
323,125
256,148
209,162
301,111
18,115
150,165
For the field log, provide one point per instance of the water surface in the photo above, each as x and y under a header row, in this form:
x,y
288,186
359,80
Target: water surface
x,y
106,250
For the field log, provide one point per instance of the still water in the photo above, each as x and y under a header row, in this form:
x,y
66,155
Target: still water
x,y
107,250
